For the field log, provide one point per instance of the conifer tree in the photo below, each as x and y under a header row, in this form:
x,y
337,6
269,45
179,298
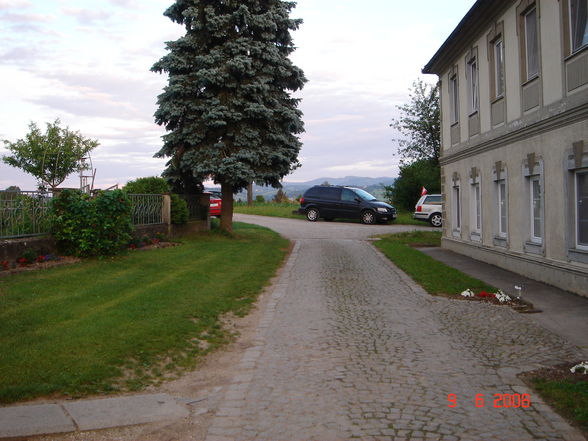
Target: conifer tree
x,y
227,107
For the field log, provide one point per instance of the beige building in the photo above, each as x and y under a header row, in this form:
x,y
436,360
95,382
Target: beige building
x,y
514,100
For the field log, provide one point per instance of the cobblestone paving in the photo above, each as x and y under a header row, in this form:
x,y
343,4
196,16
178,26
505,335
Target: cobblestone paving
x,y
349,348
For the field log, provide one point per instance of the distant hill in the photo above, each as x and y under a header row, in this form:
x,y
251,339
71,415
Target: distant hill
x,y
295,189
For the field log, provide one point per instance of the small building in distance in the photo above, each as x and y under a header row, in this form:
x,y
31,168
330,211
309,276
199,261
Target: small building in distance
x,y
513,82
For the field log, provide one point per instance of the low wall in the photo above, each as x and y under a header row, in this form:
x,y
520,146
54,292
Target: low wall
x,y
560,275
151,230
193,226
12,249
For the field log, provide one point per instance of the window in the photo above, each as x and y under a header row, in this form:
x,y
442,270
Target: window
x,y
348,195
536,195
433,199
578,23
502,208
499,68
473,85
531,43
456,215
454,99
476,209
582,210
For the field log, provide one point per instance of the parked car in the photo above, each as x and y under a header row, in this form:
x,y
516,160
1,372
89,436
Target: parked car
x,y
429,208
215,204
330,202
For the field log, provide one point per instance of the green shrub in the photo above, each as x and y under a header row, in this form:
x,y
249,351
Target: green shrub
x,y
85,226
179,210
156,185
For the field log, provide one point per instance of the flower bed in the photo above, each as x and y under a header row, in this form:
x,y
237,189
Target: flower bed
x,y
500,298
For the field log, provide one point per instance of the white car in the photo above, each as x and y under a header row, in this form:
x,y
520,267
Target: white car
x,y
429,208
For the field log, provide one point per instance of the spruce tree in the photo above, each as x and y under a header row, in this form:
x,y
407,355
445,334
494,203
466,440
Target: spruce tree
x,y
227,107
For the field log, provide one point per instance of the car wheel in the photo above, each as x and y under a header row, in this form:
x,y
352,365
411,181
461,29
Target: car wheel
x,y
436,220
368,217
312,214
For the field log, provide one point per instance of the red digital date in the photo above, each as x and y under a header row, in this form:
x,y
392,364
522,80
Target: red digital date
x,y
504,401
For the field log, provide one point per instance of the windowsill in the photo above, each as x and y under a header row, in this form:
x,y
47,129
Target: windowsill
x,y
474,113
534,247
530,80
500,241
497,99
456,233
475,236
578,255
453,124
576,53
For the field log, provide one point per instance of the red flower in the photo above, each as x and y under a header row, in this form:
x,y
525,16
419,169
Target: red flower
x,y
5,264
486,294
40,259
133,246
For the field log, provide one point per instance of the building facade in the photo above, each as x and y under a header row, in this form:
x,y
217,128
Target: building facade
x,y
514,97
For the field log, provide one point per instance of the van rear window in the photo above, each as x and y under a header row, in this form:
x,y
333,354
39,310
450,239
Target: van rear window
x,y
431,199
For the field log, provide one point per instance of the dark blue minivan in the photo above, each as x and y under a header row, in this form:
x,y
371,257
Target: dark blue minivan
x,y
329,202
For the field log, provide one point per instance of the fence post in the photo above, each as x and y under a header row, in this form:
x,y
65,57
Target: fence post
x,y
166,212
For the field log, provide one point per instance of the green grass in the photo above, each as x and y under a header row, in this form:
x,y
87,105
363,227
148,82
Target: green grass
x,y
435,277
269,209
285,210
568,397
122,323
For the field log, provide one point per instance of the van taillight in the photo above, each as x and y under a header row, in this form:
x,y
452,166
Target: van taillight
x,y
302,200
419,208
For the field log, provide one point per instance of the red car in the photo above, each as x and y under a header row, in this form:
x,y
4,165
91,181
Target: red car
x,y
215,205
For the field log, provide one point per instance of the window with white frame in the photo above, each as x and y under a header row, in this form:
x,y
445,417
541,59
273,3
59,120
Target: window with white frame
x,y
536,208
499,67
502,208
473,85
476,204
454,99
581,203
456,205
578,24
531,43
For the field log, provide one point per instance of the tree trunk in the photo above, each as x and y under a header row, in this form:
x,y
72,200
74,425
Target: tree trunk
x,y
226,223
250,194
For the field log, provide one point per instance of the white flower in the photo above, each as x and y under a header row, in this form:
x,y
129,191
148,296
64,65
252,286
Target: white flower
x,y
519,289
582,368
468,293
502,297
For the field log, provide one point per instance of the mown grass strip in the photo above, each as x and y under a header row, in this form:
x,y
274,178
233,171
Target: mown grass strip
x,y
435,277
121,323
568,397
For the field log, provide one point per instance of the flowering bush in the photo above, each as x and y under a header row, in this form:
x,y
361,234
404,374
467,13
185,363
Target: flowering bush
x,y
468,293
502,297
485,294
581,368
5,265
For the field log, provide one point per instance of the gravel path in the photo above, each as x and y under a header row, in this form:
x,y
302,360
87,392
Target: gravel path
x,y
350,348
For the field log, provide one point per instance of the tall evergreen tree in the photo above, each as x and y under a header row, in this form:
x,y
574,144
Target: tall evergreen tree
x,y
227,108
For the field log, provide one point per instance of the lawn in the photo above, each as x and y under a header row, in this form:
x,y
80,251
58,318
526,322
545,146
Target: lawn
x,y
435,277
285,210
122,323
569,397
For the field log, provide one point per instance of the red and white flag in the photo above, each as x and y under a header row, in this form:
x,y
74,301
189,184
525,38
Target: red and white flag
x,y
423,191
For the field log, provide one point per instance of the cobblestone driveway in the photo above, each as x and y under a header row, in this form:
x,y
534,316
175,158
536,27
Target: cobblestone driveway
x,y
350,348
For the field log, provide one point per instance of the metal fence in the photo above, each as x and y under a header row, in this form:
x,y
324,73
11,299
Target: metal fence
x,y
24,213
147,209
197,209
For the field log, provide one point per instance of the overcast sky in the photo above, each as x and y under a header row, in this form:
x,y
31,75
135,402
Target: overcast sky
x,y
87,63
